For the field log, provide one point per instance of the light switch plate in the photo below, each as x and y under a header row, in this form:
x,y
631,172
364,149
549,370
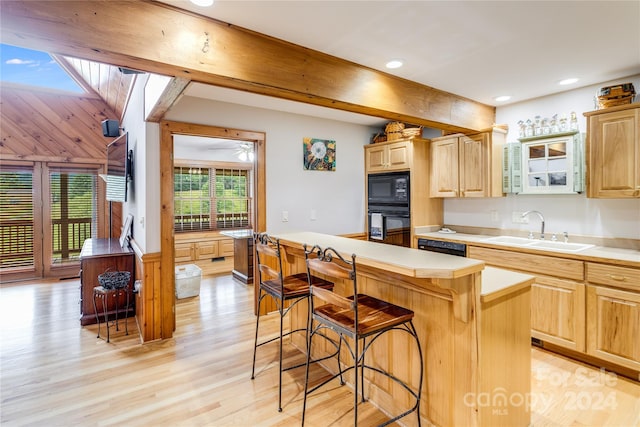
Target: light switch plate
x,y
285,216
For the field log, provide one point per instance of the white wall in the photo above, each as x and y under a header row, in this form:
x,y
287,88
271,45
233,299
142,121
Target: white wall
x,y
336,197
143,199
573,213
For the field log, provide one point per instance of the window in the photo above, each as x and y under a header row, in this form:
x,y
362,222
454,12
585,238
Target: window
x,y
545,165
16,218
211,198
73,209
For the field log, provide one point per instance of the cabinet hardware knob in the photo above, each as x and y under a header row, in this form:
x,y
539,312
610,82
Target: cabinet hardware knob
x,y
618,278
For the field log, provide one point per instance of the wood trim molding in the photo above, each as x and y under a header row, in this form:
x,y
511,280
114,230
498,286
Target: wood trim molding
x,y
99,33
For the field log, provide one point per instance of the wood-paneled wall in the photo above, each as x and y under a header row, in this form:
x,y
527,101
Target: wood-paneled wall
x,y
41,125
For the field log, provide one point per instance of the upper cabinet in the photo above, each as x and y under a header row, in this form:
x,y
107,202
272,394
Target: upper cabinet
x,y
613,147
387,156
467,165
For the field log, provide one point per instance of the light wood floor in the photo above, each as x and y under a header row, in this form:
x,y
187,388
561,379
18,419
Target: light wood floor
x,y
55,373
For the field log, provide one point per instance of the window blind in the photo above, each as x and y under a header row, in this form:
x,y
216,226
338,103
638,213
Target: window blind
x,y
16,217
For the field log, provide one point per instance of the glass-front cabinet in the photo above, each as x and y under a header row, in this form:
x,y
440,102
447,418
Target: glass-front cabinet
x,y
551,164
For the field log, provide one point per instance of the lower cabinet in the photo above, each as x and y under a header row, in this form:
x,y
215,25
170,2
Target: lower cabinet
x,y
212,252
613,314
558,312
590,308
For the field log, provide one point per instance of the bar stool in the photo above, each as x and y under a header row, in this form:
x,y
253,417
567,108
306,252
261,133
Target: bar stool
x,y
287,292
359,317
102,294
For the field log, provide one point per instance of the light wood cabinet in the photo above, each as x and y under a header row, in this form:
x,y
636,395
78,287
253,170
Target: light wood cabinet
x,y
558,312
467,165
613,146
557,298
613,325
210,251
613,314
388,156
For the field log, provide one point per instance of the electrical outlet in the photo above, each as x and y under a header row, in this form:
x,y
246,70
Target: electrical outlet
x,y
517,218
495,216
285,216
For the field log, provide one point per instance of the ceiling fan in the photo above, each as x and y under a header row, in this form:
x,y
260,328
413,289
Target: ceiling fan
x,y
245,152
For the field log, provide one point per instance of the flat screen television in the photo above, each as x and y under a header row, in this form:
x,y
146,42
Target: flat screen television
x,y
118,169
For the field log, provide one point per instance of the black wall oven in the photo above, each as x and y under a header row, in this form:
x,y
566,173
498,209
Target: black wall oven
x,y
388,206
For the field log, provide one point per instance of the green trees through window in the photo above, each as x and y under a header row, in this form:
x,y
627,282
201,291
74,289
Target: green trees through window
x,y
210,199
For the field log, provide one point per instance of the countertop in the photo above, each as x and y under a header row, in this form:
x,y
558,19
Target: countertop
x,y
496,282
398,259
626,257
238,234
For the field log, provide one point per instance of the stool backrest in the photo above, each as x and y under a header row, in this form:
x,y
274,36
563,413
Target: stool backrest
x,y
329,262
268,256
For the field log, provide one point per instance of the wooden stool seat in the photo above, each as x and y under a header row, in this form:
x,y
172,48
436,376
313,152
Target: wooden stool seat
x,y
374,315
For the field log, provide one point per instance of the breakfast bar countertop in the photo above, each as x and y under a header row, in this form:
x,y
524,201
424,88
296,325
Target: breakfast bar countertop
x,y
398,259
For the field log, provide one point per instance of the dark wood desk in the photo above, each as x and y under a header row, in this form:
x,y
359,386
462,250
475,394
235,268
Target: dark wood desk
x,y
242,254
96,257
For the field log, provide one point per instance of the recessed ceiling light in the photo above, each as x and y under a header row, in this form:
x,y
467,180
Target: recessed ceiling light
x,y
395,63
203,3
502,98
568,81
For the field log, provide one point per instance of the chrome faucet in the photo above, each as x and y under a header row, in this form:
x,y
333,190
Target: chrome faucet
x,y
541,220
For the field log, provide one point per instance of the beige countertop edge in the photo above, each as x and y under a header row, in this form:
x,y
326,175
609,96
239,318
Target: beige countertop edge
x,y
623,257
497,282
406,261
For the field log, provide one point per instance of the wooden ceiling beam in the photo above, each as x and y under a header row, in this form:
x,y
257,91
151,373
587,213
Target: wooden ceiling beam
x,y
157,38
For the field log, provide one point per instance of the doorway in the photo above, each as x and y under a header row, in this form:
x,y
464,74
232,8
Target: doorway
x,y
168,130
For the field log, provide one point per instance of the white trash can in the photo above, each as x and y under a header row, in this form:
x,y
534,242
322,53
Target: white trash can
x,y
188,280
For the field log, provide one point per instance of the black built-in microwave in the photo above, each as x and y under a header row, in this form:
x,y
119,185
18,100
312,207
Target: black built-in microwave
x,y
388,188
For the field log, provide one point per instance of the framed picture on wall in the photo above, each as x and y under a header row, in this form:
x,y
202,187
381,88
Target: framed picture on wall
x,y
319,154
126,231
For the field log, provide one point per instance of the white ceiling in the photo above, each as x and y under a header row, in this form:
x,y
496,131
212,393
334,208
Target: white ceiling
x,y
476,49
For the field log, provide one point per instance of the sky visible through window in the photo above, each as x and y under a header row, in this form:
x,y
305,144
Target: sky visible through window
x,y
34,68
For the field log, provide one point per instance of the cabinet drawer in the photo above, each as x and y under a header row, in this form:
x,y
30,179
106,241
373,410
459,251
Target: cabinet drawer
x,y
206,250
226,247
537,264
619,277
183,252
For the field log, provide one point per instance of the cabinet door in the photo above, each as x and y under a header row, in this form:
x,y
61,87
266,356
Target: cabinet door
x,y
614,154
613,325
473,165
444,168
375,157
184,252
558,312
399,156
225,247
207,249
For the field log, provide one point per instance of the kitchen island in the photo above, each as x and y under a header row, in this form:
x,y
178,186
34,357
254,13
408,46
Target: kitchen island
x,y
242,254
473,324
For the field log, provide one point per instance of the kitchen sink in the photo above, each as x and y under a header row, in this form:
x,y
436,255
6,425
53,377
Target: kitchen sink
x,y
560,246
539,244
509,240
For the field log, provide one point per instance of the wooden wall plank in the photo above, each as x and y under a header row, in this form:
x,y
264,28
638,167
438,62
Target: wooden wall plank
x,y
238,58
46,126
